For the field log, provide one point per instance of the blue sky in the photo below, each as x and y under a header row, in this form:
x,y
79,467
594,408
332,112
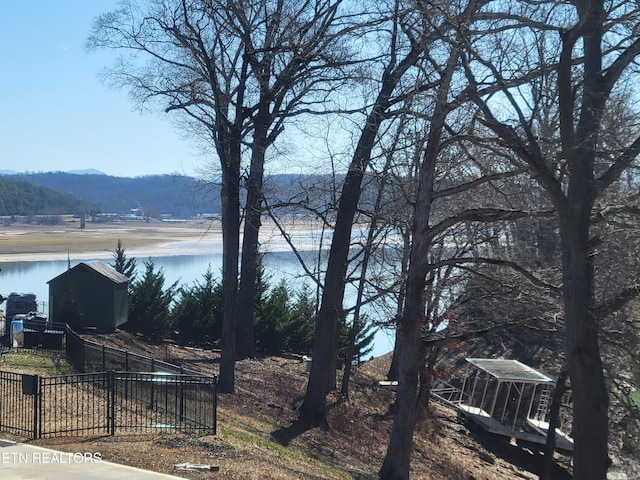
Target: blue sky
x,y
56,115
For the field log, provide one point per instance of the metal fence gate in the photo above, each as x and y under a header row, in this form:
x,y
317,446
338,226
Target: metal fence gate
x,y
107,402
18,408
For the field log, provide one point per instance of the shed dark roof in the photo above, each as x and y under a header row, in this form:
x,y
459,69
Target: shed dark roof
x,y
104,270
108,272
510,370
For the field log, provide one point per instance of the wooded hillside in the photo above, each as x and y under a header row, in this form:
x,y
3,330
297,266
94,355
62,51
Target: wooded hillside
x,y
179,196
175,195
21,197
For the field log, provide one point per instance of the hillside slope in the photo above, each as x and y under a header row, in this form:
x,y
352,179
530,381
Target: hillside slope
x,y
259,438
182,196
179,196
21,197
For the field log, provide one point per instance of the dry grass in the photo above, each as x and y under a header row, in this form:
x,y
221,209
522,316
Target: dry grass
x,y
258,436
25,242
34,363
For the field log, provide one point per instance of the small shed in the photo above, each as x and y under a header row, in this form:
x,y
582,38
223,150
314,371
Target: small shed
x,y
90,294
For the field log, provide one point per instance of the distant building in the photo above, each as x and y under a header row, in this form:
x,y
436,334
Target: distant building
x,y
134,214
89,295
104,217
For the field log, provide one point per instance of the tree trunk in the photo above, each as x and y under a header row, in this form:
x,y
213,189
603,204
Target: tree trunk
x,y
355,328
314,404
409,345
409,332
408,339
228,145
426,380
590,398
392,374
351,350
230,250
332,371
324,344
245,340
579,147
554,412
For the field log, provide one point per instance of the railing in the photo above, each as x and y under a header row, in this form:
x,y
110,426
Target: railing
x,y
104,403
88,356
115,390
33,332
18,411
75,404
164,401
448,393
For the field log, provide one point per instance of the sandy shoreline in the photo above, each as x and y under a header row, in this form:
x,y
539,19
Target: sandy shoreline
x,y
22,242
30,243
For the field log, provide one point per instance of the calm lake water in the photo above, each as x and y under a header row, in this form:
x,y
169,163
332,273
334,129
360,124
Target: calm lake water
x,y
32,277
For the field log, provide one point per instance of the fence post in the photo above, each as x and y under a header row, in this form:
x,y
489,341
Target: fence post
x,y
103,362
82,355
215,406
111,402
153,386
36,401
181,390
40,395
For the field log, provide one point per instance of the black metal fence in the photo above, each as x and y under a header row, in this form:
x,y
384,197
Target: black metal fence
x,y
88,356
74,404
104,403
164,401
18,410
116,390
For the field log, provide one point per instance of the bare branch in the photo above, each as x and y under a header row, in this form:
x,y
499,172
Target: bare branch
x,y
554,289
482,215
615,304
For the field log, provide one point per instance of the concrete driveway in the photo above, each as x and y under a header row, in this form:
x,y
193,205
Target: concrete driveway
x,y
28,462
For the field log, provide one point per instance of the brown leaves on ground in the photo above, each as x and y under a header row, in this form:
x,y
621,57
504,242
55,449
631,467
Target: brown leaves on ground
x,y
258,437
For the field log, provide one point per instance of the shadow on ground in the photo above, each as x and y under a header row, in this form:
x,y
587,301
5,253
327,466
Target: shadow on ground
x,y
285,435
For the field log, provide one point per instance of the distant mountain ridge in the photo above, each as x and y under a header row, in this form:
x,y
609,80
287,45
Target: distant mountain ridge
x,y
178,196
88,171
172,195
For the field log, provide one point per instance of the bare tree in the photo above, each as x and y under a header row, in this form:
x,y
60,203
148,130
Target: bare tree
x,y
174,53
296,53
410,352
486,166
595,57
236,71
363,272
405,50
